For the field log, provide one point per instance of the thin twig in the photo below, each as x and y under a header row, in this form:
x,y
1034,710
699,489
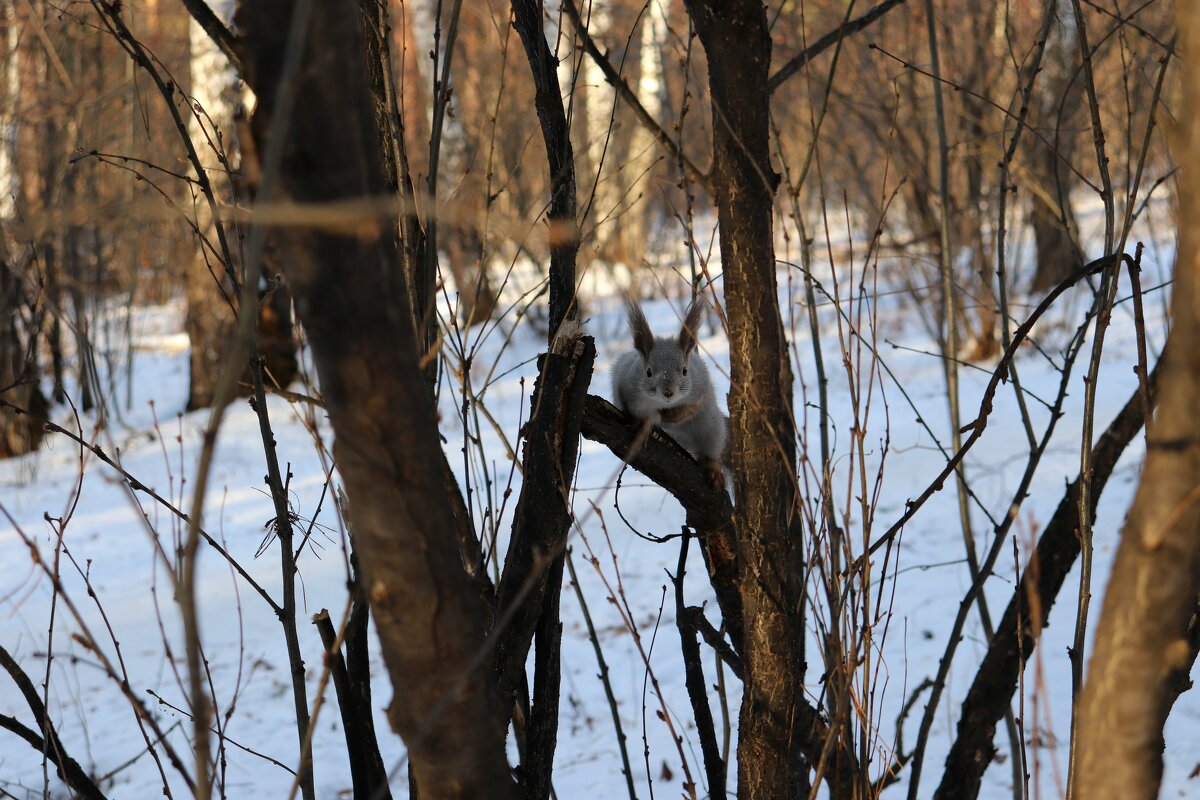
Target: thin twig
x,y
137,486
977,426
626,770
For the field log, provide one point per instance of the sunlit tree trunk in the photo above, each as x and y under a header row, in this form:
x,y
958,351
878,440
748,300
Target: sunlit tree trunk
x,y
1142,638
773,728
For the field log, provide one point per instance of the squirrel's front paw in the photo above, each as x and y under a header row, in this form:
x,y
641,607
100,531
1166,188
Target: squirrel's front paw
x,y
714,473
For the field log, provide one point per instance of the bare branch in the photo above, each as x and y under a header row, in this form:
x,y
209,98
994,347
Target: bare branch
x,y
828,40
211,24
68,768
1018,632
630,97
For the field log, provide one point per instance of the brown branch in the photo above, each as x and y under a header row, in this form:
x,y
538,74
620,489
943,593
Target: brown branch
x,y
709,511
693,670
979,424
211,24
1017,634
284,532
694,616
51,747
828,40
367,774
537,765
542,516
556,134
630,98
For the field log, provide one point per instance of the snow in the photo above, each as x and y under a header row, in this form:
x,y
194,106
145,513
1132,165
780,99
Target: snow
x,y
108,540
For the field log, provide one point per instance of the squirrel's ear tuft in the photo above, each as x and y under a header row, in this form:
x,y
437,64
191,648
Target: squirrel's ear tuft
x,y
691,325
643,338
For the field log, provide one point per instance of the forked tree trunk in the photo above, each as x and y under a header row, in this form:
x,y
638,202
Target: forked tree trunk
x,y
429,618
774,726
1142,638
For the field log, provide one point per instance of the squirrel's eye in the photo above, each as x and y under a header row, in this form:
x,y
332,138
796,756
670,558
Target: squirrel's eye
x,y
685,370
649,373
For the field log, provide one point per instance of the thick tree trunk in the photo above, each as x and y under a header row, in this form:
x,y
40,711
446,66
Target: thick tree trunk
x,y
533,566
774,730
1142,638
353,302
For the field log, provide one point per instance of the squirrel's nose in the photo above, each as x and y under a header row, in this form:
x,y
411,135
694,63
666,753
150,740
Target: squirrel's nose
x,y
668,392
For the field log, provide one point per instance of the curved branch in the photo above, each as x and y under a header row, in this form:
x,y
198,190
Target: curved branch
x,y
709,511
211,24
630,97
51,747
828,40
985,405
1017,632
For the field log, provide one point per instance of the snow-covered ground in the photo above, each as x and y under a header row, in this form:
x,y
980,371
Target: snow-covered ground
x,y
108,540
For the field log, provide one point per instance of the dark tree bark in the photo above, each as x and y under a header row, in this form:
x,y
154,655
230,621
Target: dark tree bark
x,y
368,775
693,672
773,728
47,740
1142,636
1057,253
429,618
1018,632
527,597
19,374
542,738
543,516
564,234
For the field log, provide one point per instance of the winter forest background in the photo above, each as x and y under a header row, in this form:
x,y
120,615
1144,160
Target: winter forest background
x,y
311,485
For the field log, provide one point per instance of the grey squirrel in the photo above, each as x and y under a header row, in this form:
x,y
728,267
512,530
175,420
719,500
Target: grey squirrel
x,y
665,382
